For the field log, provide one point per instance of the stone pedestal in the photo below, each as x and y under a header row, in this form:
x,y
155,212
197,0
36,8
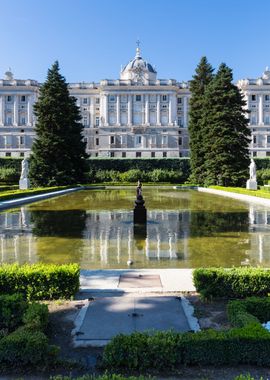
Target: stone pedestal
x,y
251,184
24,184
139,212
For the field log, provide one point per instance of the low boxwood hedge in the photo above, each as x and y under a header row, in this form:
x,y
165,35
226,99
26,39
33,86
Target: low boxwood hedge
x,y
26,347
12,308
250,310
231,283
106,376
40,281
169,350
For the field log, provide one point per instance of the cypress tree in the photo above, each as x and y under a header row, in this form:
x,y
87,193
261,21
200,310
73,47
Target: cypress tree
x,y
203,76
226,132
58,153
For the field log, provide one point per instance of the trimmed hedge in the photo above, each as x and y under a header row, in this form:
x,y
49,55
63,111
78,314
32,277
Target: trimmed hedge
x,y
40,281
169,350
250,310
25,347
231,283
12,308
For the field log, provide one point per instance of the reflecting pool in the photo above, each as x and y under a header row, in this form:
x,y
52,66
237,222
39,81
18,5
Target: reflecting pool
x,y
185,229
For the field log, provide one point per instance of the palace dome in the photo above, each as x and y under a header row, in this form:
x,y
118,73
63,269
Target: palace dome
x,y
138,69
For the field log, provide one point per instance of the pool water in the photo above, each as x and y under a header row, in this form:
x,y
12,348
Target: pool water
x,y
185,229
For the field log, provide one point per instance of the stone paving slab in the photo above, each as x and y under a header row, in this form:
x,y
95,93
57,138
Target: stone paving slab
x,y
172,280
106,317
139,281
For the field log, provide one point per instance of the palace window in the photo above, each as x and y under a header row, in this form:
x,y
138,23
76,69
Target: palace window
x,y
138,140
85,121
124,154
138,154
9,98
267,98
97,100
85,101
164,154
112,98
9,120
21,140
97,122
180,140
164,98
21,154
112,154
253,98
23,98
138,98
267,154
112,139
97,141
254,154
153,154
23,121
8,154
254,139
179,100
267,119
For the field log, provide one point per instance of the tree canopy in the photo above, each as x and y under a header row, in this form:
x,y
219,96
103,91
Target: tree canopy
x,y
58,152
221,145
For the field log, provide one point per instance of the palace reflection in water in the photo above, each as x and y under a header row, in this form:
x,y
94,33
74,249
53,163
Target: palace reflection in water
x,y
106,239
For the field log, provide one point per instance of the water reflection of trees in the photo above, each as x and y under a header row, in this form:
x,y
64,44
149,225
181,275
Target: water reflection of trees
x,y
65,223
210,223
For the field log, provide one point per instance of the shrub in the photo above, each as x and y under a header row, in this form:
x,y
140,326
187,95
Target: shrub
x,y
232,283
26,347
134,175
36,316
141,351
168,350
12,308
40,281
250,310
8,175
107,176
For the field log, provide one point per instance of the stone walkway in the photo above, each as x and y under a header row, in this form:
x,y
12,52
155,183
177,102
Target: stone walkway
x,y
137,280
128,300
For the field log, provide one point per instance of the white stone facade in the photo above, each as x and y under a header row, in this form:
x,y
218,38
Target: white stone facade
x,y
137,115
257,96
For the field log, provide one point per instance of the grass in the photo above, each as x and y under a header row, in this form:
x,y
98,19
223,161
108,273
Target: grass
x,y
14,194
240,190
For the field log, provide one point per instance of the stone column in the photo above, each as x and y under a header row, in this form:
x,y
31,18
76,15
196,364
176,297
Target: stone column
x,y
92,110
146,109
15,111
185,112
106,110
170,109
118,110
129,109
158,109
2,110
29,111
260,109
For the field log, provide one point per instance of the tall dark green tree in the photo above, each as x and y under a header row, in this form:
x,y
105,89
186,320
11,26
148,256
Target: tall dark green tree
x,y
58,156
226,132
198,85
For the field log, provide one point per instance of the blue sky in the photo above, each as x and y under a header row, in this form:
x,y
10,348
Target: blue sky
x,y
92,38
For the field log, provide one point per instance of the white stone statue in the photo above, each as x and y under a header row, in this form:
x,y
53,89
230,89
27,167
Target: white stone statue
x,y
24,181
252,182
25,169
252,170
